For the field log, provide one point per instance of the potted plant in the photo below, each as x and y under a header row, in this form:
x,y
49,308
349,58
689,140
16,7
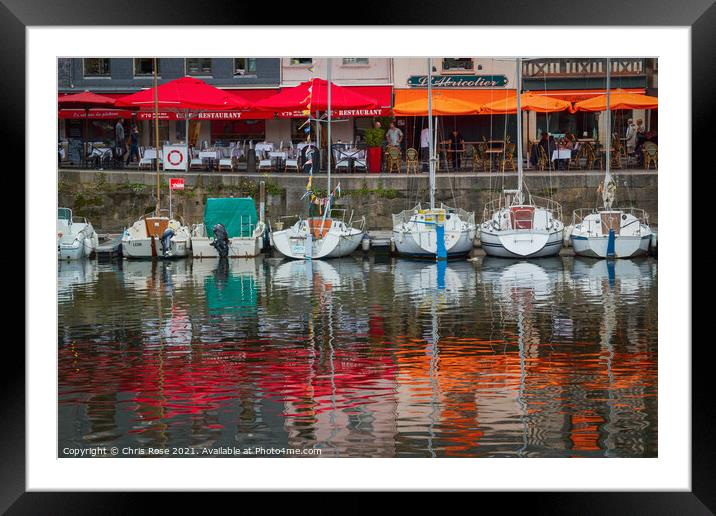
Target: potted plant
x,y
374,140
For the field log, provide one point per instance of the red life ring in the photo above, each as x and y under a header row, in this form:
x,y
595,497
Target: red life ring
x,y
171,161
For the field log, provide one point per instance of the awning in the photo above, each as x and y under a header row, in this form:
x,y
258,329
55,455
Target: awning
x,y
473,97
528,102
441,105
578,95
617,100
94,114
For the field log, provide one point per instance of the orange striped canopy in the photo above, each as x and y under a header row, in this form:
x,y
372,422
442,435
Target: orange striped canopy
x,y
528,102
617,100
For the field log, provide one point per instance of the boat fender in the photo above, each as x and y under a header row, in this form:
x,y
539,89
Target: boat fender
x,y
165,240
221,240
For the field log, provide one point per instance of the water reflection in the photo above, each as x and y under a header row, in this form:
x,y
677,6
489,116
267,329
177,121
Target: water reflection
x,y
550,358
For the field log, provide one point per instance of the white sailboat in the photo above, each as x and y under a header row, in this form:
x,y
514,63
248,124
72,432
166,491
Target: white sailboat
x,y
155,235
325,236
610,232
437,233
76,238
519,225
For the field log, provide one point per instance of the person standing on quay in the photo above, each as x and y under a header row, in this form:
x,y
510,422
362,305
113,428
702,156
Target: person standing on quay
x,y
425,148
133,144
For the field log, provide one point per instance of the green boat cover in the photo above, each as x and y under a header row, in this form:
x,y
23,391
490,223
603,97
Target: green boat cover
x,y
237,214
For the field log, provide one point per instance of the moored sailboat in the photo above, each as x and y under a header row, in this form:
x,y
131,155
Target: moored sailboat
x,y
322,236
434,233
517,224
610,232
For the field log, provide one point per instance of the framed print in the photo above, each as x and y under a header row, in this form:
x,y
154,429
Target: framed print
x,y
379,267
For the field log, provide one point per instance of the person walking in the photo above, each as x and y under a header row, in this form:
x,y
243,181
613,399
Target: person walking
x,y
133,145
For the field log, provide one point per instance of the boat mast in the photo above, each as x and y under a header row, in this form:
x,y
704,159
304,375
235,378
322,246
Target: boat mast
x,y
156,134
430,133
520,176
330,146
606,196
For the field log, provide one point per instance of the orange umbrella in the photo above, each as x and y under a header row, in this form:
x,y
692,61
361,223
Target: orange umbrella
x,y
441,106
617,100
529,102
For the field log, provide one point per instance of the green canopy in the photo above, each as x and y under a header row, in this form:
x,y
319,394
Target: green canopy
x,y
237,214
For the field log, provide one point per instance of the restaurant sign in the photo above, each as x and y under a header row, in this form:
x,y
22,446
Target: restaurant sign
x,y
458,81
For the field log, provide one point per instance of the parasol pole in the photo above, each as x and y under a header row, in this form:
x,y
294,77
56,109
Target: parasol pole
x,y
156,133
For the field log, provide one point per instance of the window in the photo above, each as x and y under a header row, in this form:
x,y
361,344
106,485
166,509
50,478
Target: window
x,y
458,64
355,61
96,67
244,66
301,61
198,66
144,67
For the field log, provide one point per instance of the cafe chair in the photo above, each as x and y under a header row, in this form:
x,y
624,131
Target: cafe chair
x,y
411,160
291,163
479,159
265,162
196,162
507,159
651,154
227,161
616,153
394,159
542,159
361,162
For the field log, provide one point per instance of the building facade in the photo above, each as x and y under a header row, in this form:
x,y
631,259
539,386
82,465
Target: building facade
x,y
252,78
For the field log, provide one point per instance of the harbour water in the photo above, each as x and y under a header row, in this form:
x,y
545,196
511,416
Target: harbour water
x,y
361,357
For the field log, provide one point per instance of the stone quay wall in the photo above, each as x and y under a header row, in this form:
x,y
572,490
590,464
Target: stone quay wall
x,y
114,199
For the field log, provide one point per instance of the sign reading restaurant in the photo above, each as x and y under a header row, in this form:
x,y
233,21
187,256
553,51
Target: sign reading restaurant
x,y
458,81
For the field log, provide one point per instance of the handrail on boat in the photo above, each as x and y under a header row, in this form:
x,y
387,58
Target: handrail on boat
x,y
580,214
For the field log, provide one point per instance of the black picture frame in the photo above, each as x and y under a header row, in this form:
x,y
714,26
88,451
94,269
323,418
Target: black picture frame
x,y
700,15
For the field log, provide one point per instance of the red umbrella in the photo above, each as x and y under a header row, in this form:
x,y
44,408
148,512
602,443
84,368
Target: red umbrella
x,y
85,100
188,94
185,94
314,93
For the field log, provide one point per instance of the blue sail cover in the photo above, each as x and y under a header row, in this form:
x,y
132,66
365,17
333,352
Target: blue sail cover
x,y
237,214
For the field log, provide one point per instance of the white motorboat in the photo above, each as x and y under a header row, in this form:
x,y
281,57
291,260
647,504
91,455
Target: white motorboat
x,y
518,225
324,236
435,233
76,238
243,228
610,232
156,237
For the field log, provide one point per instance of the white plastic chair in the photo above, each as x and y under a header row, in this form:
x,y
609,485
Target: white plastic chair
x,y
265,162
227,159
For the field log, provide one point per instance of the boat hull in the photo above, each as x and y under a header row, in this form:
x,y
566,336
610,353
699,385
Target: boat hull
x,y
238,247
143,248
521,243
292,243
624,246
422,244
